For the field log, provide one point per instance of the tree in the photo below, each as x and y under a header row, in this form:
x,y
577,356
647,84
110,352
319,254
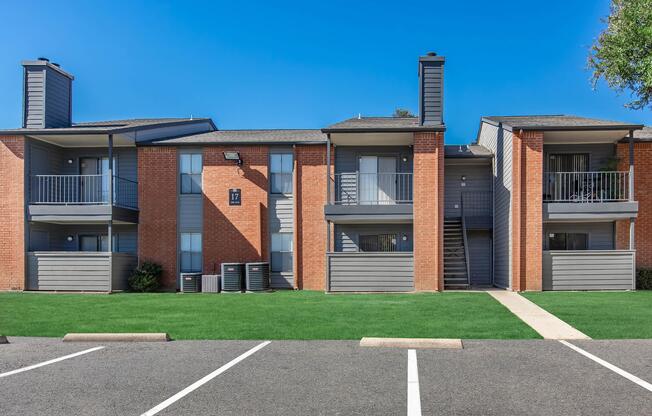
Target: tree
x,y
622,54
402,112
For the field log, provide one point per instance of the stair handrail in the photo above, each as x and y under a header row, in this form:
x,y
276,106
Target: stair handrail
x,y
466,244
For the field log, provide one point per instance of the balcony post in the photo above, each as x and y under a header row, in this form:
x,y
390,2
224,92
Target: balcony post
x,y
632,236
631,165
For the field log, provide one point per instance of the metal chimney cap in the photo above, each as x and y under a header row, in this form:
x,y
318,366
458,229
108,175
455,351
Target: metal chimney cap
x,y
431,54
40,58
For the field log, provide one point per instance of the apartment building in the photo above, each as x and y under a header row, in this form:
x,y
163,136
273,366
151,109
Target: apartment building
x,y
366,204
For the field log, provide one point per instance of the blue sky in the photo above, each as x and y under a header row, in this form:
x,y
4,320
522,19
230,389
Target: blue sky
x,y
299,65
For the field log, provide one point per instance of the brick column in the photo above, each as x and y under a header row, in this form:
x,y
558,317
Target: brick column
x,y
643,195
428,195
12,213
157,200
237,233
527,210
310,198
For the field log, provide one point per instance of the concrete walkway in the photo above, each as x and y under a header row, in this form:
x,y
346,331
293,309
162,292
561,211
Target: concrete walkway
x,y
542,321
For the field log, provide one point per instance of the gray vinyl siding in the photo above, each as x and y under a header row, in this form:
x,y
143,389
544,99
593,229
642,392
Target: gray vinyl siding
x,y
373,272
478,179
347,235
600,234
190,213
499,141
599,154
57,99
79,271
53,237
480,257
122,267
346,161
281,220
47,98
34,100
588,270
432,91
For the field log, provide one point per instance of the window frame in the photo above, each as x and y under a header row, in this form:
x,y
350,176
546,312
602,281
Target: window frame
x,y
282,173
191,252
566,240
283,253
195,178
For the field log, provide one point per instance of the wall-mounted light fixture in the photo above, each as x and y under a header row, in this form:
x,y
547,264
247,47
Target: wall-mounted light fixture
x,y
70,238
404,238
232,155
70,161
463,178
405,159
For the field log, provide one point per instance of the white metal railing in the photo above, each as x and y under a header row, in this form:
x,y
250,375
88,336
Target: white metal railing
x,y
586,186
371,188
82,190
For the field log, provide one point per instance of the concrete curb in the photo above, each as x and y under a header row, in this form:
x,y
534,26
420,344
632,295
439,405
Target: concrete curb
x,y
117,337
3,340
412,343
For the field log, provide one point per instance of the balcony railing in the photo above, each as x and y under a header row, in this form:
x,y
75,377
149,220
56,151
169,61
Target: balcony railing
x,y
371,188
82,190
586,186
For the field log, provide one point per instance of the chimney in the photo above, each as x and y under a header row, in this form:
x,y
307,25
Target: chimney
x,y
47,95
431,89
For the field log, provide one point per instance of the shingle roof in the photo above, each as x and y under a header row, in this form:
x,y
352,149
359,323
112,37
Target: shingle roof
x,y
558,122
380,124
109,126
466,151
288,136
645,134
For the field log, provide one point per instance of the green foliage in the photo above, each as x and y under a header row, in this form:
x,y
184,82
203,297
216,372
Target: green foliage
x,y
402,112
622,54
146,278
644,279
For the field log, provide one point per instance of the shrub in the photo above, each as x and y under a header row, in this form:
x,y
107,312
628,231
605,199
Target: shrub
x,y
146,278
644,279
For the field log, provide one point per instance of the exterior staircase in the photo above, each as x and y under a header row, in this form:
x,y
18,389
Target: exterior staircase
x,y
455,270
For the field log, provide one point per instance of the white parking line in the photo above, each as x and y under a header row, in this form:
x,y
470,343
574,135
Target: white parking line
x,y
413,396
56,360
619,371
197,384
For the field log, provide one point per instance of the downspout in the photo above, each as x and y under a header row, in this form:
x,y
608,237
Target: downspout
x,y
110,226
328,201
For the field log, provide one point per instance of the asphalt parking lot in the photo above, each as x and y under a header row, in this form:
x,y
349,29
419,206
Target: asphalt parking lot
x,y
534,377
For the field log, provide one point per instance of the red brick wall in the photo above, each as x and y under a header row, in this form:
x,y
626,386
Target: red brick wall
x,y
527,210
12,213
428,197
310,198
157,197
235,233
642,194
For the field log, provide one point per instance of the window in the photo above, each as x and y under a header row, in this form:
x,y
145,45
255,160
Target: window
x,y
190,169
281,252
568,241
377,242
281,173
191,252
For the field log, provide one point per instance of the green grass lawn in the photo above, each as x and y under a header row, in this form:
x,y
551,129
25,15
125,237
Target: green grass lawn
x,y
280,315
606,315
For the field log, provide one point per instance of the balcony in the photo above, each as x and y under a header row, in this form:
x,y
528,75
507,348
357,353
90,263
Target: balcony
x,y
84,198
369,197
588,195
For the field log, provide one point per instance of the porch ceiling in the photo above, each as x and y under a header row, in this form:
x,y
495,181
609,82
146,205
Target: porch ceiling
x,y
86,140
584,137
